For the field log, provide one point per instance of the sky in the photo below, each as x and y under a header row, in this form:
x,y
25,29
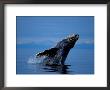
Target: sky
x,y
48,30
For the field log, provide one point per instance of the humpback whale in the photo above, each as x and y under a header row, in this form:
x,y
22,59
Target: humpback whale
x,y
58,54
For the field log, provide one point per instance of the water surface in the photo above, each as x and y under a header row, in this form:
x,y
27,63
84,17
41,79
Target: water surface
x,y
79,61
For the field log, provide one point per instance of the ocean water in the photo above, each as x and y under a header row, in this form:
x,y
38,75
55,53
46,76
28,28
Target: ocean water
x,y
80,60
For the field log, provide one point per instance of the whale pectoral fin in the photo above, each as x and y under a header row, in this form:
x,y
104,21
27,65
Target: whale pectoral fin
x,y
51,52
43,53
40,54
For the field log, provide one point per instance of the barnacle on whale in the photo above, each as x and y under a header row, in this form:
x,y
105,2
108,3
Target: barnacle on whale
x,y
58,54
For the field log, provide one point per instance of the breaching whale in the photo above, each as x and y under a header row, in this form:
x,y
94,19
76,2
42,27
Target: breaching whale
x,y
58,54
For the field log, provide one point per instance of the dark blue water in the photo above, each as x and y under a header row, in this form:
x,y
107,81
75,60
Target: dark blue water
x,y
79,61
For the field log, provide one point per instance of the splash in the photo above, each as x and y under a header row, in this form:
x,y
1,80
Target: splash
x,y
34,60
